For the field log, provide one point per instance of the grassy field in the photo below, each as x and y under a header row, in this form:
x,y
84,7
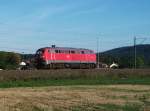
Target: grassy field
x,y
76,98
75,90
40,78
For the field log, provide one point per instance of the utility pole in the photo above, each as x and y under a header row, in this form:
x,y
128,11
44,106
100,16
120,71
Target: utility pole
x,y
135,49
135,52
23,58
98,52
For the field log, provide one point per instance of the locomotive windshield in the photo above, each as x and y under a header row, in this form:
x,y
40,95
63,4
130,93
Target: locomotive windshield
x,y
40,52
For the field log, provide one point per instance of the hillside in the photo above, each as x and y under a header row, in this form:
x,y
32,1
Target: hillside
x,y
141,50
126,54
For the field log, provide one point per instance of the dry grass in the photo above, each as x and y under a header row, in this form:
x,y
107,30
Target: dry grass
x,y
12,75
65,98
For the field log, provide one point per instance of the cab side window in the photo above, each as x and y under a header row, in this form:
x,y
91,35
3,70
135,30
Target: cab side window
x,y
61,51
72,52
51,51
82,52
91,52
56,51
67,51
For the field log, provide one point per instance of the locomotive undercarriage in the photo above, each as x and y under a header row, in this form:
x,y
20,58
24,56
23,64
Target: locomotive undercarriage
x,y
41,64
71,66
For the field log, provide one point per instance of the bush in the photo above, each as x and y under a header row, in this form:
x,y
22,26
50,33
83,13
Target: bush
x,y
9,60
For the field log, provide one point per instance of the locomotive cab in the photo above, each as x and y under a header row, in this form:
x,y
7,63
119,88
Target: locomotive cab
x,y
40,52
40,58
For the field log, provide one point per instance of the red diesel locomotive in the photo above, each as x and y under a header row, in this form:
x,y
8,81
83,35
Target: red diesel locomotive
x,y
61,57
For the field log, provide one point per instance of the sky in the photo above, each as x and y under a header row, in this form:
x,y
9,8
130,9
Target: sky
x,y
26,25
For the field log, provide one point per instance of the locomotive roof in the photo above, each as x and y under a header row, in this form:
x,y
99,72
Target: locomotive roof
x,y
65,48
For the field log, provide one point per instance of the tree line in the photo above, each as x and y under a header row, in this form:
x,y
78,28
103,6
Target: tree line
x,y
126,61
9,60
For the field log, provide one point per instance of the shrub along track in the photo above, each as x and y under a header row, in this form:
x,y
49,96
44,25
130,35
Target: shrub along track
x,y
30,78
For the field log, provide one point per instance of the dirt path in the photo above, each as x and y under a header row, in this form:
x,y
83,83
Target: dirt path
x,y
67,97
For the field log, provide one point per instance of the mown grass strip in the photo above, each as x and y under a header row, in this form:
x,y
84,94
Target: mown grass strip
x,y
108,107
64,82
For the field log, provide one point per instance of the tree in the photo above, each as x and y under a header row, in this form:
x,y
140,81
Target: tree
x,y
9,60
140,62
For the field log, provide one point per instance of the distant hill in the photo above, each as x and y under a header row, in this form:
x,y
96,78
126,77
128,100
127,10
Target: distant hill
x,y
141,50
126,55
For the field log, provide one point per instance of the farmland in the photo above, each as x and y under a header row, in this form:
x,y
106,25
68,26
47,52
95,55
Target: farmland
x,y
76,98
75,90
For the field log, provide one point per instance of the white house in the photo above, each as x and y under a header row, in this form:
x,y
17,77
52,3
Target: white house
x,y
114,65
